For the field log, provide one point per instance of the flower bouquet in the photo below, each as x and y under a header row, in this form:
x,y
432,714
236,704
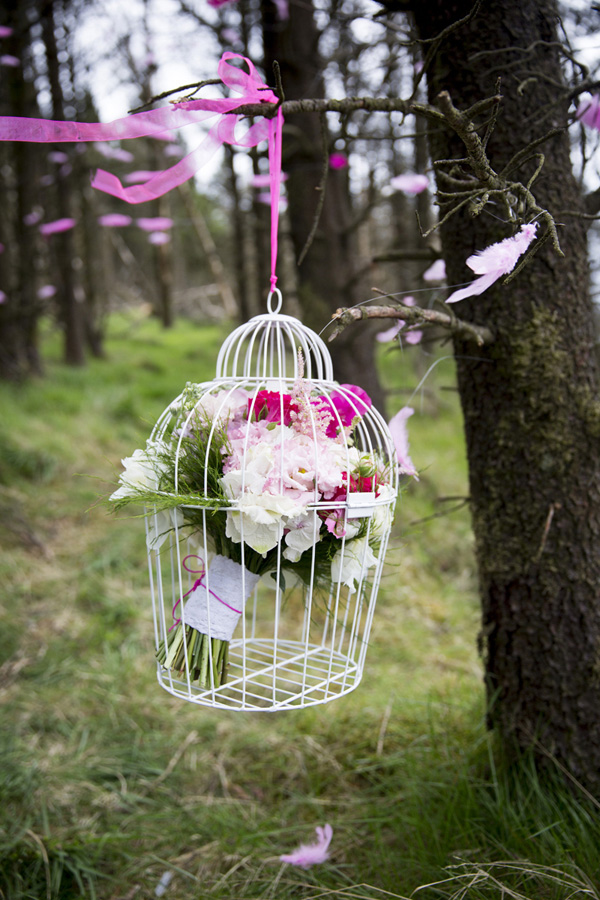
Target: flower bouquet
x,y
275,484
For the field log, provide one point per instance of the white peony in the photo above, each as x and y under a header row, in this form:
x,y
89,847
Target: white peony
x,y
259,520
258,466
142,473
222,405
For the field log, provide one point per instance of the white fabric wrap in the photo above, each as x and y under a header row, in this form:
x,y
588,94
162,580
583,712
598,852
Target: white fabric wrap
x,y
232,584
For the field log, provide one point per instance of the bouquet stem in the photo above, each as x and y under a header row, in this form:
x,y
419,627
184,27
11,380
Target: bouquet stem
x,y
173,652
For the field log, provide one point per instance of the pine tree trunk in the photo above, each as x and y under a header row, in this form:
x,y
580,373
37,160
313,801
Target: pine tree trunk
x,y
529,400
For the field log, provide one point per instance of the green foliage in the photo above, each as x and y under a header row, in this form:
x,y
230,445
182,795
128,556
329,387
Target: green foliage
x,y
106,782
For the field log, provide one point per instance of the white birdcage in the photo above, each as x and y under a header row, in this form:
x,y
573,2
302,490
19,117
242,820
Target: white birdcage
x,y
295,632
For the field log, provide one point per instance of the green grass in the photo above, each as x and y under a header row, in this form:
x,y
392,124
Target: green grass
x,y
106,782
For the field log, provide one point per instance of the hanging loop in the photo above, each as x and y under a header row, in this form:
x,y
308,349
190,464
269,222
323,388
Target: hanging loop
x,y
277,293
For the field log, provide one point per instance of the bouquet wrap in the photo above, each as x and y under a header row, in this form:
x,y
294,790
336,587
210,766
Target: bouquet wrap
x,y
217,601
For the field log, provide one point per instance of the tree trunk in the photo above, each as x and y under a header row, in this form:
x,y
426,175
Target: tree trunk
x,y
328,275
529,400
20,310
71,309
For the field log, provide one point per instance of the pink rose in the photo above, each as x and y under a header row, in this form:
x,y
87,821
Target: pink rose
x,y
270,405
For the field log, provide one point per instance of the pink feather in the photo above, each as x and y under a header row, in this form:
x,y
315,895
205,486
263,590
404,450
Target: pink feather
x,y
495,261
398,430
307,855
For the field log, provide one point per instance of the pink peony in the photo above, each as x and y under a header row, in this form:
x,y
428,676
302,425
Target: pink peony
x,y
348,407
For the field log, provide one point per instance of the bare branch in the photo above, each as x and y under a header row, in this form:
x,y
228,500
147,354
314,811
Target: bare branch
x,y
412,315
425,254
197,85
321,188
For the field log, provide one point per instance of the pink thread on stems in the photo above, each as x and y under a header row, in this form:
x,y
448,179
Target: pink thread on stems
x,y
198,583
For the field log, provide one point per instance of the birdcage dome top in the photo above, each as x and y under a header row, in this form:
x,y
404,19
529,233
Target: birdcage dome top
x,y
267,347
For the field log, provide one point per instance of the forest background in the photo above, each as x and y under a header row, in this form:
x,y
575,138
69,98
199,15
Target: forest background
x,y
106,784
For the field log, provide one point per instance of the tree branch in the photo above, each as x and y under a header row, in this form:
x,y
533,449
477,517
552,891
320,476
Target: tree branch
x,y
412,315
321,188
347,105
425,254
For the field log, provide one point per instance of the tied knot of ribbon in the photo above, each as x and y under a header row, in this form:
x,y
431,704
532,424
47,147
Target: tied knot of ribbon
x,y
199,582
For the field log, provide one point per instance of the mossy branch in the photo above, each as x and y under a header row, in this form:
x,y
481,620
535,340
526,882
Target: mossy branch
x,y
412,315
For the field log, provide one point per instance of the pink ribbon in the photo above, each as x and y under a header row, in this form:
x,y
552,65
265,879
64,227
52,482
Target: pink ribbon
x,y
275,134
198,583
156,122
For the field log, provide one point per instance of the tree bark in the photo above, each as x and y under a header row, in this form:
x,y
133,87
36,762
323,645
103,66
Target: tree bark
x,y
19,313
328,277
531,413
71,309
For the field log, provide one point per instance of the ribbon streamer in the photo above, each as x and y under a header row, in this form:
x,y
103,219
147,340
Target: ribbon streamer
x,y
155,122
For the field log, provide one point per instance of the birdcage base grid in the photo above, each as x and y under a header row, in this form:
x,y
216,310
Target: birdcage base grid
x,y
267,676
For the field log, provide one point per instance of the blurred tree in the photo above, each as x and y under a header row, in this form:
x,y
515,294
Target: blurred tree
x,y
19,171
71,306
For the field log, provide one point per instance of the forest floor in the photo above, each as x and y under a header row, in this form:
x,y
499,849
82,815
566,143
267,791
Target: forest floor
x,y
107,783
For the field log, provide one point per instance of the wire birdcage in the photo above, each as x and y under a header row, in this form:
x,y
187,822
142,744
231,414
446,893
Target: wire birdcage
x,y
290,627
